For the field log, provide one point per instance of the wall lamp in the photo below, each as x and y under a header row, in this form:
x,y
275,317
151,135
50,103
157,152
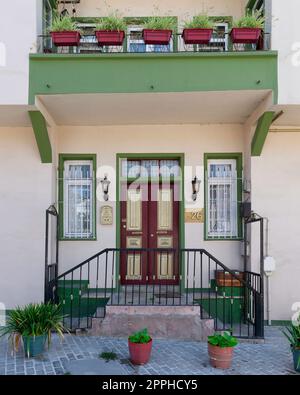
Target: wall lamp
x,y
195,187
105,187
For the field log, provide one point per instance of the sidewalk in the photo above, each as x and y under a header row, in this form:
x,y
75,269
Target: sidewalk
x,y
80,354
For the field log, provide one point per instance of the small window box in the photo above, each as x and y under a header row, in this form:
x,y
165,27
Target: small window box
x,y
110,37
66,38
197,36
245,35
157,37
225,279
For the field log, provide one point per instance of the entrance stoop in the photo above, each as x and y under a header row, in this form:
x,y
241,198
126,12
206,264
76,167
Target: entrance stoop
x,y
176,322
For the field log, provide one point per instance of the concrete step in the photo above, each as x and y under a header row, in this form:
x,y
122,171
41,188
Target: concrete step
x,y
172,322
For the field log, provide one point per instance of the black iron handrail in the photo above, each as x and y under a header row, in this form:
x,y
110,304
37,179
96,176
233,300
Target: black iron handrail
x,y
233,299
51,270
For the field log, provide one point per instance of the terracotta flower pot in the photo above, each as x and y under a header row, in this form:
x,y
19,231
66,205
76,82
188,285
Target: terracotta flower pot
x,y
157,37
139,352
245,35
66,39
110,37
197,36
219,357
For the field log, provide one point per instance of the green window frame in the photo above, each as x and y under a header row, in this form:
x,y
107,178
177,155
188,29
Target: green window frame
x,y
238,189
63,158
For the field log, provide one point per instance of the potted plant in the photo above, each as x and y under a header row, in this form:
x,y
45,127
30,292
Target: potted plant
x,y
292,332
33,324
248,29
158,30
198,31
64,32
220,349
111,31
140,346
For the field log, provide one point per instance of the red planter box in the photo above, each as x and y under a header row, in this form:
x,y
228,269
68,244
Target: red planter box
x,y
139,353
157,37
65,39
244,35
197,36
110,37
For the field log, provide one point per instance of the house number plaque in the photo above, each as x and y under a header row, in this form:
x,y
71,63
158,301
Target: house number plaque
x,y
194,215
106,215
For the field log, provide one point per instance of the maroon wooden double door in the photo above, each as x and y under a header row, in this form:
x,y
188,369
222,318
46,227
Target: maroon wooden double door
x,y
150,219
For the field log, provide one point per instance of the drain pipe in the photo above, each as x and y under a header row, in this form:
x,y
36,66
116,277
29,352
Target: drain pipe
x,y
269,268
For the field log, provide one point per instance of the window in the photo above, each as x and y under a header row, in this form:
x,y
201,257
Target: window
x,y
222,185
77,198
150,168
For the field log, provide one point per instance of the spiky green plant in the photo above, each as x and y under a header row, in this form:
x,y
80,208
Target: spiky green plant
x,y
160,23
141,337
35,319
251,20
62,24
199,22
111,23
292,333
222,340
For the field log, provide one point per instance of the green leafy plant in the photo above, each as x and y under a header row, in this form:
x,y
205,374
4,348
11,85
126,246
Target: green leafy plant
x,y
62,24
199,22
141,337
222,340
255,20
108,356
33,320
111,23
160,23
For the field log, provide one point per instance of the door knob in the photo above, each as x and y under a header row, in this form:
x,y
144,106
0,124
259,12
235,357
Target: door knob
x,y
152,235
124,226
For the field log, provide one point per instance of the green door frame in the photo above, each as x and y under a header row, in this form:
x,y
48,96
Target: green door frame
x,y
180,157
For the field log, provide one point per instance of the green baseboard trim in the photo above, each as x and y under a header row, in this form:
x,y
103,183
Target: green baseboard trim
x,y
278,323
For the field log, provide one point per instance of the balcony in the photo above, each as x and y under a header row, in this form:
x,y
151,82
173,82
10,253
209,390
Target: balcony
x,y
134,43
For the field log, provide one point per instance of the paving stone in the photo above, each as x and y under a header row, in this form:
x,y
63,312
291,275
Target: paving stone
x,y
168,357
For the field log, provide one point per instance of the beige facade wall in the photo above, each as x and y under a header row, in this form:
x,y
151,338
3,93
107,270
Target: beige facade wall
x,y
192,140
276,195
182,9
25,193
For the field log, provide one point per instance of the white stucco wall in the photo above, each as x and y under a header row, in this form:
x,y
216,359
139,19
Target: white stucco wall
x,y
193,140
183,10
276,195
21,22
286,40
25,193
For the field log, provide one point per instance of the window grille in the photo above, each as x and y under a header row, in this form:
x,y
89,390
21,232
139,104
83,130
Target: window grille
x,y
78,199
221,199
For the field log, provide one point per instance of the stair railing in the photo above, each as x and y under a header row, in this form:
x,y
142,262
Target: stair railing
x,y
161,277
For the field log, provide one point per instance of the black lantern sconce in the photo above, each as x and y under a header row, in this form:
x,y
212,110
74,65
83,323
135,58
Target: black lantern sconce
x,y
105,187
195,187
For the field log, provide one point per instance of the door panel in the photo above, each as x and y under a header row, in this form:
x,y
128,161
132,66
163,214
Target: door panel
x,y
152,224
163,232
134,218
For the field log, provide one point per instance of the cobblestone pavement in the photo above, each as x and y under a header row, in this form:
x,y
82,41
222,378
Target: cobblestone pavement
x,y
168,357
